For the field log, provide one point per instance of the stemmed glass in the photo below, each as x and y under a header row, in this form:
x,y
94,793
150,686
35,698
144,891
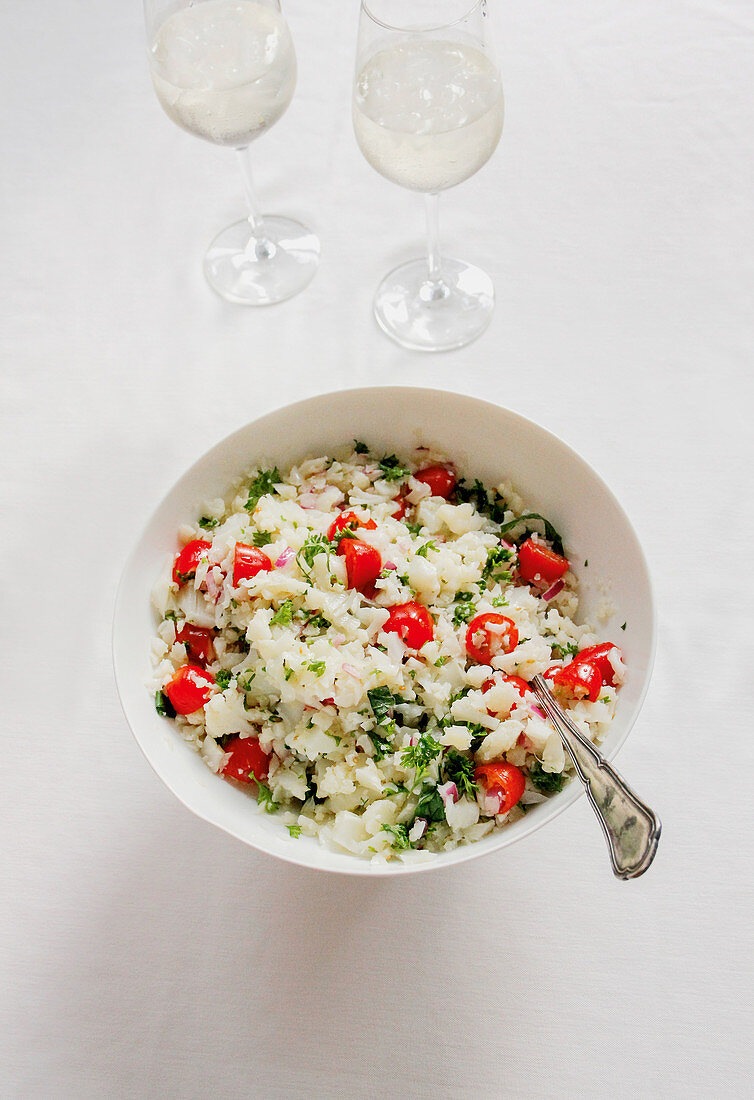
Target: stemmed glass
x,y
428,113
225,70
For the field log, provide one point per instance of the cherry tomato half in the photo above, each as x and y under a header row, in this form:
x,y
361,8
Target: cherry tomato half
x,y
363,564
440,479
411,622
502,780
581,679
538,564
248,561
189,689
247,761
349,521
198,642
184,567
401,506
490,634
599,655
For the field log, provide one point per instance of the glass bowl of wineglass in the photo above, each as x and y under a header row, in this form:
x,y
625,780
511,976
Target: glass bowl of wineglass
x,y
225,70
428,114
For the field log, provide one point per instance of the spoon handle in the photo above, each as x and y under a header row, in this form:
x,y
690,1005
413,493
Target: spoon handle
x,y
631,829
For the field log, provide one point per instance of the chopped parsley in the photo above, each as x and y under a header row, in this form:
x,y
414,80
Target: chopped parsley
x,y
317,622
360,448
421,755
414,528
496,567
463,611
430,805
382,701
624,626
294,830
314,545
317,667
550,533
163,705
283,615
171,615
441,661
399,833
392,469
381,745
459,769
245,683
223,678
262,538
422,551
262,484
208,523
560,652
487,501
546,782
264,795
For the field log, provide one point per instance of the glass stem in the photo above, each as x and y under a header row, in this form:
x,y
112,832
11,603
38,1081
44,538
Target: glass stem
x,y
259,247
435,285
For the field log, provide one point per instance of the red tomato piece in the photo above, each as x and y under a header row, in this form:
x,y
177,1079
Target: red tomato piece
x,y
349,521
189,689
247,761
537,563
599,655
440,479
401,506
184,567
411,622
490,634
581,679
248,561
502,780
363,564
198,642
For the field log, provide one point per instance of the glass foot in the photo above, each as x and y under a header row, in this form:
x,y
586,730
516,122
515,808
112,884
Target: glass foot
x,y
438,316
257,273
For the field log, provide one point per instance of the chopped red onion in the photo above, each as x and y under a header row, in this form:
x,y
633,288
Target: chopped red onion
x,y
448,792
535,708
351,671
553,590
284,558
390,565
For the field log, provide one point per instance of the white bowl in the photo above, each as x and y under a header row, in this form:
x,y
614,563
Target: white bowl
x,y
484,441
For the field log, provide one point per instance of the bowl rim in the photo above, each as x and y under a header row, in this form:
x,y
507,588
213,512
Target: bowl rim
x,y
465,852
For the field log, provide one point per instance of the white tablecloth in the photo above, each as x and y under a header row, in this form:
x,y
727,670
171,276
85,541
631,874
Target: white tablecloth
x,y
143,952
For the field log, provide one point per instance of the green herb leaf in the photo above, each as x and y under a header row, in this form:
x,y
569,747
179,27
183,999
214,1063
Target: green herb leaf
x,y
420,755
549,531
392,469
294,830
382,746
262,538
459,769
430,805
223,678
382,701
208,523
496,567
422,551
441,661
264,795
546,782
262,484
163,705
463,611
315,544
560,652
317,667
414,528
399,834
360,448
283,615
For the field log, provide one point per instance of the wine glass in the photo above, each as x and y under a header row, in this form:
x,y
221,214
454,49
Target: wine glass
x,y
225,70
428,113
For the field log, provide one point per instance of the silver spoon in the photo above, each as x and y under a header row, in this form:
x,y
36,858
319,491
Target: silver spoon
x,y
631,829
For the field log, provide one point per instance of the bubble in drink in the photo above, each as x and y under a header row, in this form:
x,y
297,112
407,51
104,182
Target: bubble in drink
x,y
428,113
224,69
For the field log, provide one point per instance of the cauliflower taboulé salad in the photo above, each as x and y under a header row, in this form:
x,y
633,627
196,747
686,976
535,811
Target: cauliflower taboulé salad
x,y
351,640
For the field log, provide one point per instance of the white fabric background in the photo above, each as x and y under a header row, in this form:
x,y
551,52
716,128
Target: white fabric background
x,y
144,953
